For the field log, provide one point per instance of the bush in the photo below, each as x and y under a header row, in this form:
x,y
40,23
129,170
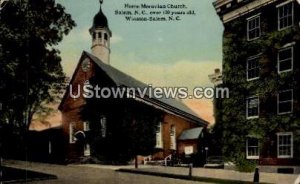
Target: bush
x,y
244,165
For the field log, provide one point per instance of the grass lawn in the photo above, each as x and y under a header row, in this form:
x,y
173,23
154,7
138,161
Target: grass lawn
x,y
13,175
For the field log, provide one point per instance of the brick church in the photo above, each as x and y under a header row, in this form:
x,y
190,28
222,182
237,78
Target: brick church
x,y
177,129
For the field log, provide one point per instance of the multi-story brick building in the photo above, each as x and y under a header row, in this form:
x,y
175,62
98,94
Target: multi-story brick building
x,y
261,119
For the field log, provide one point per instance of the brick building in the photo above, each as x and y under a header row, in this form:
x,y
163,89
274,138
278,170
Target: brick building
x,y
260,52
172,116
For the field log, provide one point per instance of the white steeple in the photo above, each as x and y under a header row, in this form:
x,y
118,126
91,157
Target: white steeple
x,y
101,35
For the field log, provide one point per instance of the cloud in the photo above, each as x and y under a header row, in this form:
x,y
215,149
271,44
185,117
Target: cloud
x,y
183,73
77,36
116,39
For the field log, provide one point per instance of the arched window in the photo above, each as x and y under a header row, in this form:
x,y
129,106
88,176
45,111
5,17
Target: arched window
x,y
99,35
94,36
105,36
72,138
159,141
173,137
103,126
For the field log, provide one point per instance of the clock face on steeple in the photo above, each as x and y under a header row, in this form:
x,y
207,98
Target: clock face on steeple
x,y
86,65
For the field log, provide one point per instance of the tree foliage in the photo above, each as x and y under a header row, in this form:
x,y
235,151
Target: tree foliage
x,y
131,125
232,125
30,66
129,133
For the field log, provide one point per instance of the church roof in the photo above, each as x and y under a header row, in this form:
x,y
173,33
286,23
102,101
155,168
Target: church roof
x,y
122,79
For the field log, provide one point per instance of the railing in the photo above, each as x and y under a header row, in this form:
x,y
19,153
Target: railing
x,y
167,158
147,159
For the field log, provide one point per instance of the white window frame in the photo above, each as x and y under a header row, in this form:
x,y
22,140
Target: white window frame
x,y
290,46
86,126
72,139
292,102
247,114
291,145
278,18
173,144
249,59
159,139
259,27
247,150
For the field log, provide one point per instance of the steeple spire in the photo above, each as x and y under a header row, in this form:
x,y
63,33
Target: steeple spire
x,y
101,35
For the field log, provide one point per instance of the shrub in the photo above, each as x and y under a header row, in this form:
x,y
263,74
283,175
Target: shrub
x,y
244,165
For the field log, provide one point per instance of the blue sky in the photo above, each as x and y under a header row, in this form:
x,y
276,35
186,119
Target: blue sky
x,y
180,53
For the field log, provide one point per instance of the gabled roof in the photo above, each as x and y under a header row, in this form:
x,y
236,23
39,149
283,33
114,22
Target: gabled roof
x,y
191,134
122,79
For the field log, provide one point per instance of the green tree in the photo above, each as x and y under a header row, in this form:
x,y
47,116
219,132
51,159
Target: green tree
x,y
30,66
31,74
130,133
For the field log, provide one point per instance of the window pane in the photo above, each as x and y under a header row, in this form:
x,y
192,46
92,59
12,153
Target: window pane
x,y
253,106
285,54
253,148
285,59
285,107
254,28
285,65
253,68
285,96
252,142
285,15
285,101
285,145
159,135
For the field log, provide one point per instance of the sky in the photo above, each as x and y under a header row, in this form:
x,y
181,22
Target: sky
x,y
166,54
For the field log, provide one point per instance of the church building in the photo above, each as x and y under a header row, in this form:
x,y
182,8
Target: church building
x,y
92,125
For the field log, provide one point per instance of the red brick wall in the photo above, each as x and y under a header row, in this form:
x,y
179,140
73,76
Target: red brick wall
x,y
71,111
180,125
